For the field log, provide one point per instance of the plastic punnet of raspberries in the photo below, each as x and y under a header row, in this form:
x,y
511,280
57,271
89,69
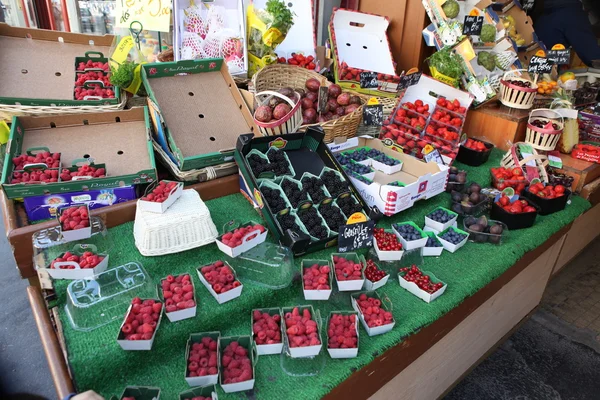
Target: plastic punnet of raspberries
x,y
142,319
236,366
202,360
178,292
266,328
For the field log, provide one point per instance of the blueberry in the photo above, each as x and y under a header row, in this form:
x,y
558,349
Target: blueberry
x,y
387,160
431,242
441,216
453,237
408,232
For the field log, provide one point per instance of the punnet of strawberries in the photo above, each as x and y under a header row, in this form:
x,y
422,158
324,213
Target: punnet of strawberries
x,y
475,144
346,269
178,292
301,329
235,238
203,359
414,274
35,176
441,131
73,218
347,73
316,277
52,160
410,118
509,177
300,60
161,192
451,105
548,191
142,319
86,261
520,206
447,118
418,106
84,170
82,66
220,276
266,328
372,311
386,241
236,364
342,332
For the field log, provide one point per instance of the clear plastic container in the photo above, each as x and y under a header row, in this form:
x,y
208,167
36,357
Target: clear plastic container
x,y
92,303
51,237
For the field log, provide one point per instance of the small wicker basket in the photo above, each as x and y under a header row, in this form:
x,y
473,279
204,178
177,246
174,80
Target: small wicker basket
x,y
288,124
546,138
277,76
512,159
185,225
514,96
7,111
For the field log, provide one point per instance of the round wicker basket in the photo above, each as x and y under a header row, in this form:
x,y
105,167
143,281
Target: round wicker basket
x,y
514,96
546,138
288,124
512,159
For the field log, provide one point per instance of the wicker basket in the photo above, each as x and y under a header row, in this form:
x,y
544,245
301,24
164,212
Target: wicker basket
x,y
512,159
185,225
288,124
7,111
515,96
277,76
545,138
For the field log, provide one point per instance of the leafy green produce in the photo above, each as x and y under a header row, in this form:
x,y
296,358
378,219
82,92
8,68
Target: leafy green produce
x,y
488,33
447,63
451,8
123,76
486,60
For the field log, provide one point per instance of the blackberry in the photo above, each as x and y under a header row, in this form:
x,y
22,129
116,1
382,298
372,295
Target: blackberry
x,y
279,162
313,223
333,216
274,199
314,187
334,184
408,232
294,195
258,165
349,205
288,221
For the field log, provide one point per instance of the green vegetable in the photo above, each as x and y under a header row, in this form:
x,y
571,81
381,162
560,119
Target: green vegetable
x,y
282,16
122,76
447,63
488,33
486,60
451,8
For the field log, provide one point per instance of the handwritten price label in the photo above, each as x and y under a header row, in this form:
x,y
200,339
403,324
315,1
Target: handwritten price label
x,y
355,236
154,15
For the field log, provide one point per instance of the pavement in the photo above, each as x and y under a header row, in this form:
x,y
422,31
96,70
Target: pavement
x,y
553,356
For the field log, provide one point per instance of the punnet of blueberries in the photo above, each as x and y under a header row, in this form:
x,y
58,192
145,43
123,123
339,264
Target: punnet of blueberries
x,y
314,187
333,216
440,215
349,205
342,158
408,232
360,177
432,242
313,223
293,192
453,236
397,183
334,183
358,168
274,199
389,161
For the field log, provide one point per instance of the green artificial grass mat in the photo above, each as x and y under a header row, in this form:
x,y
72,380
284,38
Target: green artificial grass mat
x,y
98,362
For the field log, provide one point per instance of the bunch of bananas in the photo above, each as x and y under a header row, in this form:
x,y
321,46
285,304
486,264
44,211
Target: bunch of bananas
x,y
509,24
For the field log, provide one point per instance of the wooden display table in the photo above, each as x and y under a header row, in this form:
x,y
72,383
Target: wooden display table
x,y
499,124
583,172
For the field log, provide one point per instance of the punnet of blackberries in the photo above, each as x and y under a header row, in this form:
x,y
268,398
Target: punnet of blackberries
x,y
288,221
348,205
294,193
258,165
314,187
279,161
334,183
274,200
408,232
313,223
333,216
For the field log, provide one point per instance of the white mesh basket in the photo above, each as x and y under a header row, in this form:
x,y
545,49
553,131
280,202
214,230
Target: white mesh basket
x,y
185,225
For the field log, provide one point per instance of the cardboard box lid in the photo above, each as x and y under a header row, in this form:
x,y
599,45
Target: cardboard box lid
x,y
361,41
200,111
41,64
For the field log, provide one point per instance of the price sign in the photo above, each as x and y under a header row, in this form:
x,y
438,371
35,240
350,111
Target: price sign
x,y
322,101
355,236
559,56
472,25
154,15
539,65
368,80
373,114
409,80
527,4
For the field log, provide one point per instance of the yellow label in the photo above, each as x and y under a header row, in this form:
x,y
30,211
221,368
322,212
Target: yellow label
x,y
558,46
121,51
356,218
272,37
428,149
4,132
137,80
154,15
540,53
373,101
412,70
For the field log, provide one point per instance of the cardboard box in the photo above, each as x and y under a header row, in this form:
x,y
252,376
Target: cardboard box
x,y
121,138
137,344
179,315
307,351
268,349
523,25
41,71
247,343
234,25
423,295
317,294
222,297
360,41
207,379
422,180
376,330
78,272
160,208
46,206
247,243
343,353
200,108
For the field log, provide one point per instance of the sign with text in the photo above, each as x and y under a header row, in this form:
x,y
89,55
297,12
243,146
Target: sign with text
x,y
409,80
154,15
539,65
373,114
559,56
472,25
355,236
368,80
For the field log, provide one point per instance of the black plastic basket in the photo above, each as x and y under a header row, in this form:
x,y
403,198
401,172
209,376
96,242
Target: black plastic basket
x,y
514,221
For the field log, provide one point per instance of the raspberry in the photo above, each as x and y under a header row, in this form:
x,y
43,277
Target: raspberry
x,y
218,275
142,323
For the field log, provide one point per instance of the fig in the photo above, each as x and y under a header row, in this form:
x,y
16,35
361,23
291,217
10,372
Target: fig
x,y
288,92
495,239
343,99
482,221
273,101
474,198
307,103
355,100
263,114
310,115
476,228
334,91
314,97
470,221
281,110
496,229
453,170
351,108
461,177
475,188
313,85
451,177
480,238
456,207
464,198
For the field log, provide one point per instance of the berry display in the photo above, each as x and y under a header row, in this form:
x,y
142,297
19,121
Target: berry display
x,y
545,124
348,73
372,311
440,215
288,221
266,329
52,160
386,241
314,187
481,230
35,176
349,205
509,177
384,159
432,242
73,218
548,191
161,192
301,329
84,170
203,360
82,78
94,90
363,153
373,273
476,145
279,162
333,216
316,277
178,292
453,236
410,118
347,270
437,130
342,332
220,277
408,232
235,238
452,105
294,194
236,366
258,165
447,118
87,260
414,274
300,60
361,178
524,84
274,199
141,320
83,66
313,223
520,206
418,106
360,169
342,158
334,183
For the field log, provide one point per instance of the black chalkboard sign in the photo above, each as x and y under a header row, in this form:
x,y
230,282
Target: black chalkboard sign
x,y
373,115
472,25
322,99
527,4
409,80
355,236
539,65
368,80
559,56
